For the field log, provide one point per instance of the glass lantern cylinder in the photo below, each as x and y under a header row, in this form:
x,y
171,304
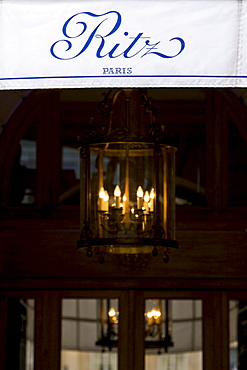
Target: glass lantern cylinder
x,y
128,188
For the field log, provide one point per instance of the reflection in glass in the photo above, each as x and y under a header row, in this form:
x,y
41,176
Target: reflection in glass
x,y
238,335
20,335
71,160
22,185
158,325
173,334
70,175
191,158
237,167
89,334
109,318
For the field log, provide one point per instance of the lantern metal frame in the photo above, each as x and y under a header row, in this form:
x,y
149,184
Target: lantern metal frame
x,y
127,130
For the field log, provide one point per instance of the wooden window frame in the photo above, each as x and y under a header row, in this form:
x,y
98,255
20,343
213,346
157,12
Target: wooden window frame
x,y
131,307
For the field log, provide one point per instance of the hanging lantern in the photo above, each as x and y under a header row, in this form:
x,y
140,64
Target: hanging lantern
x,y
127,181
158,326
157,333
108,324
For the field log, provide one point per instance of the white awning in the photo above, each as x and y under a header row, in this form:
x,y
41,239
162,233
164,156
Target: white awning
x,y
123,43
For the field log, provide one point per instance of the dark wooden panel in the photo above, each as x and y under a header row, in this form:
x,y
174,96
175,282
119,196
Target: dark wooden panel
x,y
41,253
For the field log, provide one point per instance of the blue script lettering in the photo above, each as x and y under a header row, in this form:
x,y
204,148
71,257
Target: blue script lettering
x,y
109,23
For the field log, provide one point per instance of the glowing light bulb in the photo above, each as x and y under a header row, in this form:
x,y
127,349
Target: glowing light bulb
x,y
106,196
139,194
124,204
153,314
112,312
117,194
101,198
146,197
113,316
106,201
102,193
156,314
149,315
152,196
117,191
146,200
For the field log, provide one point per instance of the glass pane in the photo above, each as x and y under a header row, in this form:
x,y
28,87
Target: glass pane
x,y
22,184
89,334
121,175
70,176
191,168
187,126
20,335
173,334
238,335
237,162
127,210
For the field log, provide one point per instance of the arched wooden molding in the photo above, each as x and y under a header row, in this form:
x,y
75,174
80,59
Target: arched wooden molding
x,y
44,107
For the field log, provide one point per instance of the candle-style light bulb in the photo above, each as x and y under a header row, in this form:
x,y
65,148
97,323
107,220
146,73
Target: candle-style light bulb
x,y
139,194
117,195
117,191
102,192
113,316
152,196
124,204
106,201
112,312
153,316
146,197
146,200
101,198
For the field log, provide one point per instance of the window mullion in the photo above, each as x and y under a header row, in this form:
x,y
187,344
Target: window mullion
x,y
215,331
47,331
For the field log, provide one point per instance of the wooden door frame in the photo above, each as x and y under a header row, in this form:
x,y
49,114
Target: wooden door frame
x,y
131,307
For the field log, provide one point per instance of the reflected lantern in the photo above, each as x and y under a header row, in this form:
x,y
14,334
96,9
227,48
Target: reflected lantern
x,y
127,181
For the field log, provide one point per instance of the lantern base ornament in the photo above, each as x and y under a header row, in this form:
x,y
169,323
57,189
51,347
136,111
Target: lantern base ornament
x,y
131,248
